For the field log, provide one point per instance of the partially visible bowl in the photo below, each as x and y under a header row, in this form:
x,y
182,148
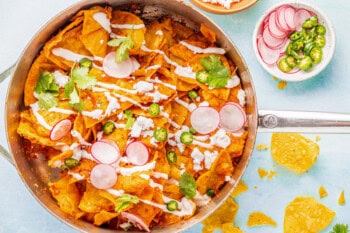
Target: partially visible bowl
x,y
276,25
219,9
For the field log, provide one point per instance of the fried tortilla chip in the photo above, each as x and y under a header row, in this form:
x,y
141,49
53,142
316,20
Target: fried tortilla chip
x,y
260,219
294,151
306,214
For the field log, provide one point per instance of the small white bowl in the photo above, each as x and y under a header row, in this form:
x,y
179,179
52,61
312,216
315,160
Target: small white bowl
x,y
328,49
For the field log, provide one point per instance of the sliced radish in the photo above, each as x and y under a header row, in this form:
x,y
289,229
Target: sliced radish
x,y
137,153
299,17
204,119
289,13
232,117
280,19
105,151
274,28
121,69
271,41
103,176
136,221
60,129
268,55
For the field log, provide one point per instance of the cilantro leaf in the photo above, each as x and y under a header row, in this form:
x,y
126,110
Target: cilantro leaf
x,y
340,228
47,90
130,120
47,100
80,76
188,186
123,44
212,62
124,201
218,74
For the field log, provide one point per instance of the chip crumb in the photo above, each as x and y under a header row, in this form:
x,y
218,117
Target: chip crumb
x,y
322,192
262,147
282,85
260,219
306,214
294,151
271,174
240,188
317,138
262,172
341,199
274,78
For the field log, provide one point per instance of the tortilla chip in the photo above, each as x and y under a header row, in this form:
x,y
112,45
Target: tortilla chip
x,y
103,217
230,228
294,151
123,17
93,35
207,33
341,199
240,188
260,219
306,214
93,202
226,213
322,192
67,196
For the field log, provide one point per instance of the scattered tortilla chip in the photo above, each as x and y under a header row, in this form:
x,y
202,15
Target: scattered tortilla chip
x,y
306,214
260,219
271,174
282,85
294,151
240,188
322,192
262,172
341,199
230,228
226,213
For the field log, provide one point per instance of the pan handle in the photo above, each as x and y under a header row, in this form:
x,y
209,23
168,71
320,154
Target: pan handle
x,y
303,122
3,151
7,73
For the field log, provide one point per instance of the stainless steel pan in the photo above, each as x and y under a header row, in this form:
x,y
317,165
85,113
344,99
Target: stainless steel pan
x,y
35,172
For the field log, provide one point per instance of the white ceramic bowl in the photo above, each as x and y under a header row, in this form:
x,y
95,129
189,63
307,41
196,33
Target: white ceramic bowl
x,y
295,75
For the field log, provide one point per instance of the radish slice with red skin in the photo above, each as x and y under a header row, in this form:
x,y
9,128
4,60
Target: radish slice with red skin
x,y
289,13
105,151
281,21
204,119
136,221
121,69
274,29
271,41
137,153
60,129
268,55
103,176
299,17
232,117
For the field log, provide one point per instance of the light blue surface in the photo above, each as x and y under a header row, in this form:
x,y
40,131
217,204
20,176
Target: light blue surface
x,y
329,91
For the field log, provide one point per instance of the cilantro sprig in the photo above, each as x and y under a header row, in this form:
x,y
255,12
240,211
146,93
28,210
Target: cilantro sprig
x,y
130,120
188,186
47,90
124,201
79,78
340,228
215,74
123,44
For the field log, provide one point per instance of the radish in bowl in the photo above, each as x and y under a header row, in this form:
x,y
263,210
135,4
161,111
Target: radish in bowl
x,y
272,41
